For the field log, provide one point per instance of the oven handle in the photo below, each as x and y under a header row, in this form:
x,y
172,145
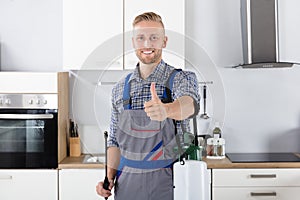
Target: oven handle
x,y
26,116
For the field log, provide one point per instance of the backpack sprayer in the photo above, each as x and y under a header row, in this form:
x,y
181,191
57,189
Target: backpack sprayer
x,y
191,177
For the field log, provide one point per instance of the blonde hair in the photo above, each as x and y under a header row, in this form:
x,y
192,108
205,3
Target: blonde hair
x,y
148,16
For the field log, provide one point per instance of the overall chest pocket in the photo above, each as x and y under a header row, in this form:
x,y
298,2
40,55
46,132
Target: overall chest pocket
x,y
137,134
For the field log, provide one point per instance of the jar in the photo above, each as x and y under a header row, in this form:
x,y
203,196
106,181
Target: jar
x,y
215,148
221,147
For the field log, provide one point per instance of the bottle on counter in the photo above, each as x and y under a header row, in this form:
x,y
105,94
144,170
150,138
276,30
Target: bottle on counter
x,y
216,144
217,133
221,147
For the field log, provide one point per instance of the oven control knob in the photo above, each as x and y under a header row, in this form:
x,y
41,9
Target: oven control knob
x,y
30,101
7,101
1,101
45,102
38,102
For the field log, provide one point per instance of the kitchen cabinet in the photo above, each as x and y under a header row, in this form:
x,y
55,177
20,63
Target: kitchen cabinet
x,y
28,82
78,184
174,22
97,33
28,184
246,184
87,27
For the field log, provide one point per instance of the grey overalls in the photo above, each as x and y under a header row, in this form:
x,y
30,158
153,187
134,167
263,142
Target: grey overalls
x,y
147,156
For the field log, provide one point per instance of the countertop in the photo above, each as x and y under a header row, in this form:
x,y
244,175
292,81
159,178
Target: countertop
x,y
226,163
77,163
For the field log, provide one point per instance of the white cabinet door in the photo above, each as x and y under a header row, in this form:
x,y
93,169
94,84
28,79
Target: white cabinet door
x,y
92,33
28,184
172,13
28,82
246,184
256,177
78,184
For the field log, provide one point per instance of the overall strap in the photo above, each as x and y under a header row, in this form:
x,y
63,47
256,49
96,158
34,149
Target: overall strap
x,y
167,95
126,93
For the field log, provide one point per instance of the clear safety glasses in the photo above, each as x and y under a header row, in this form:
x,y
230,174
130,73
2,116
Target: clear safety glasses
x,y
148,38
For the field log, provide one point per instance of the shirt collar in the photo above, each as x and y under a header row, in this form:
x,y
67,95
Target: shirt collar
x,y
156,75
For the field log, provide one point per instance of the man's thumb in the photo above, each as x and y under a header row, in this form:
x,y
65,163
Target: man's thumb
x,y
154,95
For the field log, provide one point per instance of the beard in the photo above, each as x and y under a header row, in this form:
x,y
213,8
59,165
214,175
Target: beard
x,y
149,56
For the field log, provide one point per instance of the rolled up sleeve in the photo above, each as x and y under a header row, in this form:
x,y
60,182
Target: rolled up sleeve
x,y
112,140
186,84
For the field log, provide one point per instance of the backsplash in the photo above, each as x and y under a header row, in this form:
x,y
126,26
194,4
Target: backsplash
x,y
92,139
90,105
262,106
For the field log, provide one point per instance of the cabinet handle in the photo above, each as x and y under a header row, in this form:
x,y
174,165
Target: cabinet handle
x,y
262,175
106,83
263,194
6,177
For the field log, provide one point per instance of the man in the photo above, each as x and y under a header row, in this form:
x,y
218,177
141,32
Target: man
x,y
146,116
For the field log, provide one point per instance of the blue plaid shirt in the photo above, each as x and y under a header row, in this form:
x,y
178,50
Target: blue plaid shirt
x,y
185,84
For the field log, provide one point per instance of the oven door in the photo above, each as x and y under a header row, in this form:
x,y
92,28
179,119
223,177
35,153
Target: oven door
x,y
28,138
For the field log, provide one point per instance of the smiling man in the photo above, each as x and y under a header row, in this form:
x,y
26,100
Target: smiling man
x,y
149,107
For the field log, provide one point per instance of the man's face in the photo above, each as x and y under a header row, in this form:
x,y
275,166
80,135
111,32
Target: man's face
x,y
148,40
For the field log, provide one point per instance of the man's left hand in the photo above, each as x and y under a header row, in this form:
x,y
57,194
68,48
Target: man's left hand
x,y
154,108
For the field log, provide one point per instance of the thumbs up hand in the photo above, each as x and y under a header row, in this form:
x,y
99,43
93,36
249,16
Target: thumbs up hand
x,y
154,108
154,95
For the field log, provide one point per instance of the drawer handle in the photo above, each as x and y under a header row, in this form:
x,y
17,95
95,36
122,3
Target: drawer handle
x,y
6,177
263,194
262,175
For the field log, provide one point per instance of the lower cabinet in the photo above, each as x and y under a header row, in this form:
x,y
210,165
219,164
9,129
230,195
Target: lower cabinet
x,y
28,184
247,184
278,193
78,184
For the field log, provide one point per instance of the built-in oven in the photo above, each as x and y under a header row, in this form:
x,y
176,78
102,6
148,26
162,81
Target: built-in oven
x,y
28,131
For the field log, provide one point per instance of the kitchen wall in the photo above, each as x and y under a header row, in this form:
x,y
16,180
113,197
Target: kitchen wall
x,y
261,106
90,92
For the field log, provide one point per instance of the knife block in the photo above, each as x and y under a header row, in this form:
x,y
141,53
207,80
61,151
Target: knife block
x,y
75,147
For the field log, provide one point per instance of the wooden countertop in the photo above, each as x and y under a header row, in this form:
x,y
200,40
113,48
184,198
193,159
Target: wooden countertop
x,y
227,164
77,163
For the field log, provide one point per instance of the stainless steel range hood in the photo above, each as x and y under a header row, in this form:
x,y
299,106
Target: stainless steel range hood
x,y
259,19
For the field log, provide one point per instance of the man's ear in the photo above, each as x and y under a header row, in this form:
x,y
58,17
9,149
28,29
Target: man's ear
x,y
165,42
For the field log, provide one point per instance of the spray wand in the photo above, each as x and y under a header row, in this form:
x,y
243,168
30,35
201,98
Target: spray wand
x,y
106,182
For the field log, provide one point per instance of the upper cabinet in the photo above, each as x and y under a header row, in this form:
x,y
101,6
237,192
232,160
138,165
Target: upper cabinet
x,y
97,33
89,27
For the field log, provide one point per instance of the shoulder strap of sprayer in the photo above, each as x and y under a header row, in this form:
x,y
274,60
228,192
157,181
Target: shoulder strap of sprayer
x,y
167,95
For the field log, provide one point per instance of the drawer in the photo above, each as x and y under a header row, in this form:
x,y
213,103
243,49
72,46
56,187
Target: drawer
x,y
256,193
28,184
256,177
